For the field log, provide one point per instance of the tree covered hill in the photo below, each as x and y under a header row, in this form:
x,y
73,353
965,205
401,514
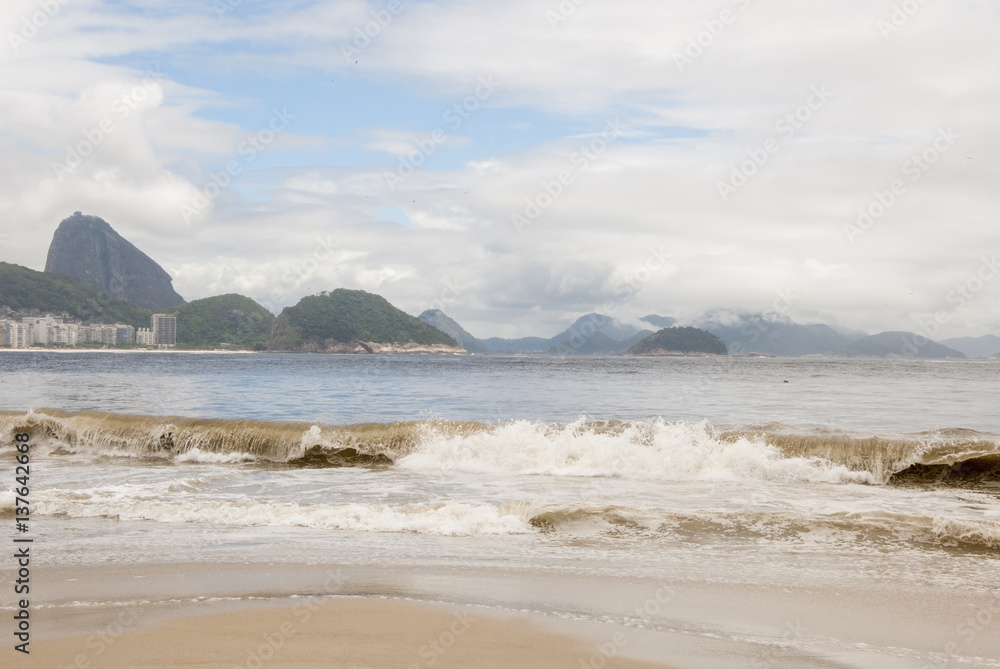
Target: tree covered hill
x,y
344,316
230,319
23,288
680,341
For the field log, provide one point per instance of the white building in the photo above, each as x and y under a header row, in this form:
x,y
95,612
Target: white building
x,y
144,337
16,335
65,333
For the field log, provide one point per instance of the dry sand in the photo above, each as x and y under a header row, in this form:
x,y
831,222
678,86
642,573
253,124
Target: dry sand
x,y
328,633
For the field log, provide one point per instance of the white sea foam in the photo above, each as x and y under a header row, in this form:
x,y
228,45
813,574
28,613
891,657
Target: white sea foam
x,y
7,502
447,518
650,450
198,455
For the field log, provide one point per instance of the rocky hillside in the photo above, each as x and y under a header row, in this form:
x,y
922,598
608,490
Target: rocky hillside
x,y
438,319
89,249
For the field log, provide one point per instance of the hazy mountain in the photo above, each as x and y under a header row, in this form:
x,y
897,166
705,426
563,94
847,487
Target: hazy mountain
x,y
771,334
438,319
592,334
899,345
523,345
89,249
853,335
680,341
350,321
595,334
975,347
597,343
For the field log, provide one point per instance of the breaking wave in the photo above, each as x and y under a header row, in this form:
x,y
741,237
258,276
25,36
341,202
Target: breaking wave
x,y
652,450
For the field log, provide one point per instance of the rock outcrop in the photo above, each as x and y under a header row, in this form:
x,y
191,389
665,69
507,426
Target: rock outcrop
x,y
89,249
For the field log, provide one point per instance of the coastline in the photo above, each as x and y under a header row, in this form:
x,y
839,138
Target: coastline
x,y
254,614
221,615
328,633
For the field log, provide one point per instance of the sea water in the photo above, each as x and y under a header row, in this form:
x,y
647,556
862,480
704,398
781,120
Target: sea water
x,y
750,496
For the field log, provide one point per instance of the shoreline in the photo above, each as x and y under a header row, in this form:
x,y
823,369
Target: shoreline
x,y
195,614
350,632
162,615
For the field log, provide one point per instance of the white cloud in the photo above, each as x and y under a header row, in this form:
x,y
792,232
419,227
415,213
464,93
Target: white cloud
x,y
783,229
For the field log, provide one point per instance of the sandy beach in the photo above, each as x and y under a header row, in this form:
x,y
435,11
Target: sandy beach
x,y
329,633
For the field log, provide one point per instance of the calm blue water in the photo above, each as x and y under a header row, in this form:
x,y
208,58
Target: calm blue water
x,y
865,395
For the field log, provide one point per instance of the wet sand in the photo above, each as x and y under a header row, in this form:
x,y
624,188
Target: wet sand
x,y
322,634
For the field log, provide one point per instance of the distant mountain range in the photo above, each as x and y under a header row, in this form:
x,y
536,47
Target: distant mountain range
x,y
94,274
975,347
592,334
740,334
773,334
898,344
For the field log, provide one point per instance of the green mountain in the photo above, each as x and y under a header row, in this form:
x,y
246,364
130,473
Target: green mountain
x,y
231,319
348,317
680,341
23,288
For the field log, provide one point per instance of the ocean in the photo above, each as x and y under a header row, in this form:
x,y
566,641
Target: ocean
x,y
723,512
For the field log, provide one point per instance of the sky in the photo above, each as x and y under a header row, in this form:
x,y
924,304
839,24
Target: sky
x,y
520,163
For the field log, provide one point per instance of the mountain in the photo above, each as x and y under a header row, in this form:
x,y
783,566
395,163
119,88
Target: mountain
x,y
586,325
899,345
853,335
353,321
230,319
771,334
975,347
680,341
89,249
518,346
597,343
437,318
23,288
596,334
591,334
